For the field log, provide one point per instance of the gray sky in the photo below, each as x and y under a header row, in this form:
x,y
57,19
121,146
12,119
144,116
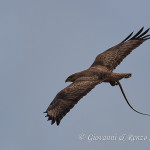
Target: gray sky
x,y
42,43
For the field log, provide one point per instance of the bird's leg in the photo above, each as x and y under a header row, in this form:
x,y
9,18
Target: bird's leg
x,y
113,83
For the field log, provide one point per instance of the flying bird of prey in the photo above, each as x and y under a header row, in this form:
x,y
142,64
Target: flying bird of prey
x,y
100,71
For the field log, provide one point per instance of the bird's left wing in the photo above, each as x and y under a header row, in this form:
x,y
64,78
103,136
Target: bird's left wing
x,y
69,96
112,57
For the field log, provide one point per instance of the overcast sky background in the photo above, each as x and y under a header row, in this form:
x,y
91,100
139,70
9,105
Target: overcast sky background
x,y
42,42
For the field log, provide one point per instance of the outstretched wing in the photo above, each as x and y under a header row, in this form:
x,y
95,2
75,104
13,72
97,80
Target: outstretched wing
x,y
112,57
68,97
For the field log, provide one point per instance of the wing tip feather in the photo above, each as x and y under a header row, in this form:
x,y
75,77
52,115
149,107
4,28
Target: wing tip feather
x,y
139,35
53,119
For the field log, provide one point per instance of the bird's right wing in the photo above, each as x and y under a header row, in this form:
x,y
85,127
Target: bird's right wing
x,y
69,96
112,57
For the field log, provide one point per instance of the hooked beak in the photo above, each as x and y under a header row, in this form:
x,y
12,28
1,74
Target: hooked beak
x,y
66,80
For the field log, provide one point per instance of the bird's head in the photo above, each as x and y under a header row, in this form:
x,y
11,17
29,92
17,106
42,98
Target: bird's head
x,y
71,78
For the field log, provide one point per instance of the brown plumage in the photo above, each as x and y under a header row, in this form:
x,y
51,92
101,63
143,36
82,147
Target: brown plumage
x,y
100,71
